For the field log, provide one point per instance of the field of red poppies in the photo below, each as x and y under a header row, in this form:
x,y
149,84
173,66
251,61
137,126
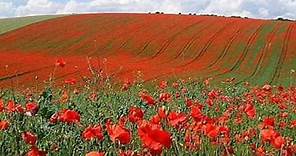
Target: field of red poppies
x,y
158,46
145,85
182,117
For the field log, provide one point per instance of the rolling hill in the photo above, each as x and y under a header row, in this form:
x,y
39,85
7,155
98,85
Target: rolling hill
x,y
155,46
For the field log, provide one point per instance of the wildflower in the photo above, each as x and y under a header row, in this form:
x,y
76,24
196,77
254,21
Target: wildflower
x,y
71,81
175,119
69,116
273,137
250,111
267,88
269,122
165,97
162,113
34,151
211,131
135,114
29,138
54,118
95,153
32,108
163,84
1,105
93,132
60,62
10,106
175,85
4,125
147,99
154,138
155,119
118,132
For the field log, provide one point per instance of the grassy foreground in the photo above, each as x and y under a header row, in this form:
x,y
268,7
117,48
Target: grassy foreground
x,y
177,118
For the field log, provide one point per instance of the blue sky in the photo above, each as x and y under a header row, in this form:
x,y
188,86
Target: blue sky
x,y
250,8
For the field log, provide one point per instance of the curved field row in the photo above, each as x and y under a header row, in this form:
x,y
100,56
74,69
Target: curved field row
x,y
158,46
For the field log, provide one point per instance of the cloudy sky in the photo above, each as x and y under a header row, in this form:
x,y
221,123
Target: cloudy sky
x,y
250,8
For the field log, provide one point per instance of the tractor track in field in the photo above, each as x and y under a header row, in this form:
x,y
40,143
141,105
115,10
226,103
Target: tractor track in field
x,y
172,38
151,39
134,32
250,41
191,41
24,73
124,43
168,42
283,55
226,49
262,55
91,35
208,44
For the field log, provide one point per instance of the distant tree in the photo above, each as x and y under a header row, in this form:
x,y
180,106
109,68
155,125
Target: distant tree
x,y
157,12
162,13
180,13
190,14
283,19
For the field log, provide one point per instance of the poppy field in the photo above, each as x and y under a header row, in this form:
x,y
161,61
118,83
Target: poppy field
x,y
183,117
148,85
159,46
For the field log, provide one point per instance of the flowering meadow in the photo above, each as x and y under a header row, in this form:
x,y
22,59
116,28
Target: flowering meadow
x,y
183,117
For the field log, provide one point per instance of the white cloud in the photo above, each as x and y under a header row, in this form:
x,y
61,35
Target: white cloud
x,y
37,7
250,8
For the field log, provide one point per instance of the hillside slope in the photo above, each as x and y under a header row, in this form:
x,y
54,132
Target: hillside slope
x,y
9,24
159,46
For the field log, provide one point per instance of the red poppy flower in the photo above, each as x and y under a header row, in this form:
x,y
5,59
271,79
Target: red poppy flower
x,y
154,138
175,119
148,99
268,134
32,108
71,81
128,153
118,132
69,116
19,109
269,122
196,113
267,88
4,125
29,138
165,97
213,94
278,142
1,105
93,132
11,106
155,119
163,84
54,118
293,124
135,114
34,151
250,111
162,113
60,62
211,131
95,153
175,85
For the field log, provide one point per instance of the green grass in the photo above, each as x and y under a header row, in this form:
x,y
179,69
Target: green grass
x,y
9,24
